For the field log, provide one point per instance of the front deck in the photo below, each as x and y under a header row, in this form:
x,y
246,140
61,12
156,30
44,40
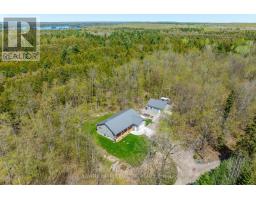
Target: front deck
x,y
123,134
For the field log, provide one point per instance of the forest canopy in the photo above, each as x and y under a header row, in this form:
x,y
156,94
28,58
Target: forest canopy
x,y
208,71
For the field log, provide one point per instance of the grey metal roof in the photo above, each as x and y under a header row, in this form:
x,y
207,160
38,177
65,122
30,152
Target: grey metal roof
x,y
157,103
122,120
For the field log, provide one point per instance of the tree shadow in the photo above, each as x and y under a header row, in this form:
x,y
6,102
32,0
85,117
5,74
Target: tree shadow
x,y
225,153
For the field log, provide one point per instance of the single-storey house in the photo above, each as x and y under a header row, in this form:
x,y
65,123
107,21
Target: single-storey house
x,y
120,125
155,106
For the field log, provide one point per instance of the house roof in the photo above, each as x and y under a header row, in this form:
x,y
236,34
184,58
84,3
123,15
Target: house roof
x,y
157,103
122,120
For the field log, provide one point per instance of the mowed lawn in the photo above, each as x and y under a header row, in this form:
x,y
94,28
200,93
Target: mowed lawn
x,y
131,149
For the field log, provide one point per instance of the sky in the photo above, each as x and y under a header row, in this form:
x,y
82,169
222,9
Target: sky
x,y
204,18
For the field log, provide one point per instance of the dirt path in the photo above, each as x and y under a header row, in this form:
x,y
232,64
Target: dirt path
x,y
188,169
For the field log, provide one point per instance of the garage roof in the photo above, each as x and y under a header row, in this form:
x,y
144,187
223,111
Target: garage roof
x,y
157,104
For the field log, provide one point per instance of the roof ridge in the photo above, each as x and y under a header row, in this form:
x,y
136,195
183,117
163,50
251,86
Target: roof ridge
x,y
114,116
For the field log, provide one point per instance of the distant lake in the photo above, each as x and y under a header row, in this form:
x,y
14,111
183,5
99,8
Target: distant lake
x,y
60,27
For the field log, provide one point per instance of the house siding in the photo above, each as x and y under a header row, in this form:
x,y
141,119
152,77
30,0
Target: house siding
x,y
104,131
153,110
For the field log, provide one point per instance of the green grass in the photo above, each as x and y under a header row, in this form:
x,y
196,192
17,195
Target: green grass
x,y
148,121
132,149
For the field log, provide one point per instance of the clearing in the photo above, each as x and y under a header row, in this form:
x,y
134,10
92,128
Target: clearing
x,y
132,149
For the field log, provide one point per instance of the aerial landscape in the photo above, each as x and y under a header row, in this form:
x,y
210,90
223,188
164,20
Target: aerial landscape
x,y
132,103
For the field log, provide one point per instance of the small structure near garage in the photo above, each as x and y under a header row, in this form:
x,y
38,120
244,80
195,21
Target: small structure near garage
x,y
166,99
120,125
155,106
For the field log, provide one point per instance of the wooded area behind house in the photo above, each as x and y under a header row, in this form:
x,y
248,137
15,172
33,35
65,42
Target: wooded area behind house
x,y
208,71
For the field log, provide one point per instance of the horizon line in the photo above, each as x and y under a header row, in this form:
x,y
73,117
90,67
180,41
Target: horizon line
x,y
146,18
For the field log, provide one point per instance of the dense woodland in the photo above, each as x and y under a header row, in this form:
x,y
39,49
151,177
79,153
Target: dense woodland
x,y
208,71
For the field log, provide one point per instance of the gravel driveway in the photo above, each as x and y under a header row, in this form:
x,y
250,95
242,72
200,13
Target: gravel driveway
x,y
144,131
188,169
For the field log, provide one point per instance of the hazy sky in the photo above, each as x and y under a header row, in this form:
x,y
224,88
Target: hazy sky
x,y
223,18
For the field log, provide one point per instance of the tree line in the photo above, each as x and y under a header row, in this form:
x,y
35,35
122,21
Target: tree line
x,y
44,104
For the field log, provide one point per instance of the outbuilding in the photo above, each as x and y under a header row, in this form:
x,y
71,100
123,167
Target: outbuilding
x,y
155,106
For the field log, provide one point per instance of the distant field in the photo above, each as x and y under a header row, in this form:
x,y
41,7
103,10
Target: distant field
x,y
179,29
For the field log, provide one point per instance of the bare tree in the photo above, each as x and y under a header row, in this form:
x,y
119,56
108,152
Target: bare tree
x,y
158,167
